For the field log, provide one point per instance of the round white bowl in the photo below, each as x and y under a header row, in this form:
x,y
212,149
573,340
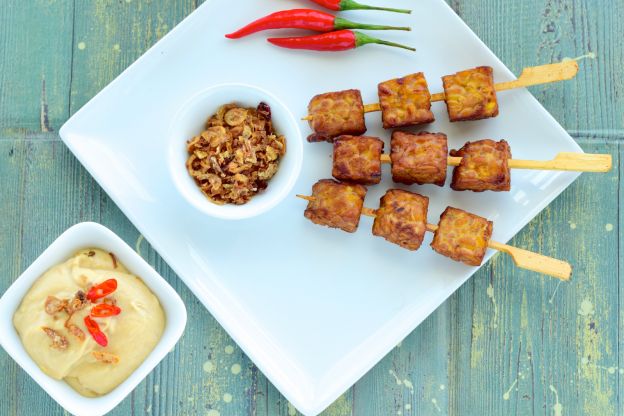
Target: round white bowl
x,y
190,121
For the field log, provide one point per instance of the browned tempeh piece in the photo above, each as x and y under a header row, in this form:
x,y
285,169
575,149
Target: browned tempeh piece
x,y
357,159
484,166
419,158
335,113
402,218
462,236
405,101
336,205
470,94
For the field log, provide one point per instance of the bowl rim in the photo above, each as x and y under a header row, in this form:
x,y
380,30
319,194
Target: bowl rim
x,y
58,251
273,196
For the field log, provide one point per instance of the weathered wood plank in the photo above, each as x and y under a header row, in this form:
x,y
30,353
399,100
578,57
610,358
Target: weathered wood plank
x,y
35,63
413,377
619,263
503,330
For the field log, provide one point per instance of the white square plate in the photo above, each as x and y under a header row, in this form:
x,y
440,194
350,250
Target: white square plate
x,y
314,308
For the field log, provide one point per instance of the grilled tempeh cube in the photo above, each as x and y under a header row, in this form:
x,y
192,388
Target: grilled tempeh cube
x,y
484,167
405,101
336,113
357,159
470,94
419,158
336,205
462,236
402,218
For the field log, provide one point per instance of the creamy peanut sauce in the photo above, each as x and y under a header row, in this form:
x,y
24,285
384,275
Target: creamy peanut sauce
x,y
92,370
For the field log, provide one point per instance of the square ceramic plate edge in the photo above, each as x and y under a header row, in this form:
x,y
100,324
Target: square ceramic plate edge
x,y
230,324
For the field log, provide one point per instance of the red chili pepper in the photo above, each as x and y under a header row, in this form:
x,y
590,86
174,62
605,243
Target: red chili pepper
x,y
339,5
304,19
340,40
104,310
95,331
103,289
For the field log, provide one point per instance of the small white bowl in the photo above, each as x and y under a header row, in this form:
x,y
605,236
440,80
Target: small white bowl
x,y
81,236
189,122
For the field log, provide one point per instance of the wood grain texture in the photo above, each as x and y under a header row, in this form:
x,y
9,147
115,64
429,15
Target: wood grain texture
x,y
507,342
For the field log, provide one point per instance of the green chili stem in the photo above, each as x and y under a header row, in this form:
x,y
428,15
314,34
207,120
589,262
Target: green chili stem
x,y
362,39
354,5
340,23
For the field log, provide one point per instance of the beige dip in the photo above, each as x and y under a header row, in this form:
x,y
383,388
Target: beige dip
x,y
132,334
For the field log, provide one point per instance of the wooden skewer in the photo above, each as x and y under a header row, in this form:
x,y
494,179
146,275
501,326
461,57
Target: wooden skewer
x,y
543,74
368,108
579,162
533,75
522,258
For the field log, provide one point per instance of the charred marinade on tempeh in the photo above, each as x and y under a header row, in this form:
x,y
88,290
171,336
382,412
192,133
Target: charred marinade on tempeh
x,y
462,236
419,158
405,101
336,205
357,159
336,113
402,218
470,94
484,166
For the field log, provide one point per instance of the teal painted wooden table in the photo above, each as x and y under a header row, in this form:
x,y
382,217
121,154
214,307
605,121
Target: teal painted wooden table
x,y
507,342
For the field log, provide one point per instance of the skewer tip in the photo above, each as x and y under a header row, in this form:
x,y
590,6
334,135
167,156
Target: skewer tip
x,y
571,69
306,197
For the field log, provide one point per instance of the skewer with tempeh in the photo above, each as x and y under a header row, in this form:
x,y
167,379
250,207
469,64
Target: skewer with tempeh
x,y
402,219
469,95
482,165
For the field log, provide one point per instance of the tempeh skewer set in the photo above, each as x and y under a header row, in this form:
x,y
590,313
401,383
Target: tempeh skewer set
x,y
402,219
423,158
482,165
469,95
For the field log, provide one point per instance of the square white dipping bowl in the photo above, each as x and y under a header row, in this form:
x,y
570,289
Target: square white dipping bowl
x,y
81,236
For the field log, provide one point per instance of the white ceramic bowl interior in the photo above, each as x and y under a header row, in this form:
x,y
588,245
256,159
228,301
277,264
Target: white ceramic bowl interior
x,y
80,236
189,122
